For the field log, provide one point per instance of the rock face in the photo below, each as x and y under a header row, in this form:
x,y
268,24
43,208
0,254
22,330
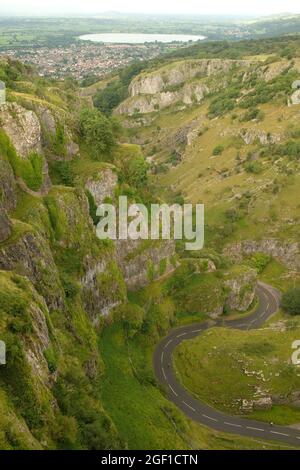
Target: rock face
x,y
178,83
49,124
264,403
288,253
22,127
102,185
188,94
253,134
39,341
142,264
5,226
24,130
250,136
30,256
295,98
7,186
242,290
102,288
179,72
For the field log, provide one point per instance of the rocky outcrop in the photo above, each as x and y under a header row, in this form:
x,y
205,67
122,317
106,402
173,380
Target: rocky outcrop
x,y
49,125
24,131
263,403
5,226
141,261
272,71
250,136
103,287
142,104
288,253
241,285
8,193
102,185
180,72
30,255
295,98
180,82
37,343
23,128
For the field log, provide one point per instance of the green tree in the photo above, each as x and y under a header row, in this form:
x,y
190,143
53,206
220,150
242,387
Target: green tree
x,y
291,301
97,131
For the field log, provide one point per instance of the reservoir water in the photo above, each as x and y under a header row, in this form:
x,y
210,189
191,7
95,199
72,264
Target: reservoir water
x,y
124,38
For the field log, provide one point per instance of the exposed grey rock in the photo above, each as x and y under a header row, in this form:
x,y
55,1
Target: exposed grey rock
x,y
264,403
7,186
250,136
30,256
140,265
47,120
37,343
23,128
102,185
295,98
5,226
288,253
242,290
103,288
247,406
143,104
161,79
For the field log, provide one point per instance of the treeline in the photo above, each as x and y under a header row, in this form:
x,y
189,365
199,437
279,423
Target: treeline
x,y
287,46
117,89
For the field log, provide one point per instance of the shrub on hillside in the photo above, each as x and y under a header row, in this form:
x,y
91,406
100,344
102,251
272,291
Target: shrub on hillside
x,y
218,150
290,301
260,261
97,131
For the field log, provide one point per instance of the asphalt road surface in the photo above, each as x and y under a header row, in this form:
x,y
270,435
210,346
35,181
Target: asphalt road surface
x,y
269,299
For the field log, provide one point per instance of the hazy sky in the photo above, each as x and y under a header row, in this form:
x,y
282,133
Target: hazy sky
x,y
236,7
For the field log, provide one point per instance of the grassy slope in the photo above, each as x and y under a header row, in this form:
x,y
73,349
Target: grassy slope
x,y
213,368
144,418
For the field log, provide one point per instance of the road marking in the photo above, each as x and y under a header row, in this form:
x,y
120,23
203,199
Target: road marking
x,y
186,404
169,342
162,357
173,391
280,433
270,297
208,417
232,424
255,429
182,334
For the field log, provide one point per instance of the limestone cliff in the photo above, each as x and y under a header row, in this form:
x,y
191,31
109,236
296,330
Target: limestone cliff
x,y
178,82
288,253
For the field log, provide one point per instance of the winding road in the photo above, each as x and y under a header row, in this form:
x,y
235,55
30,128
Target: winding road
x,y
269,299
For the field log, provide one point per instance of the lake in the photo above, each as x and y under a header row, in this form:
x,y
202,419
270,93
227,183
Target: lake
x,y
124,38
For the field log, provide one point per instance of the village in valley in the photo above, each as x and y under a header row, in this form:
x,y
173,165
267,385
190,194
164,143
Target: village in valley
x,y
82,59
